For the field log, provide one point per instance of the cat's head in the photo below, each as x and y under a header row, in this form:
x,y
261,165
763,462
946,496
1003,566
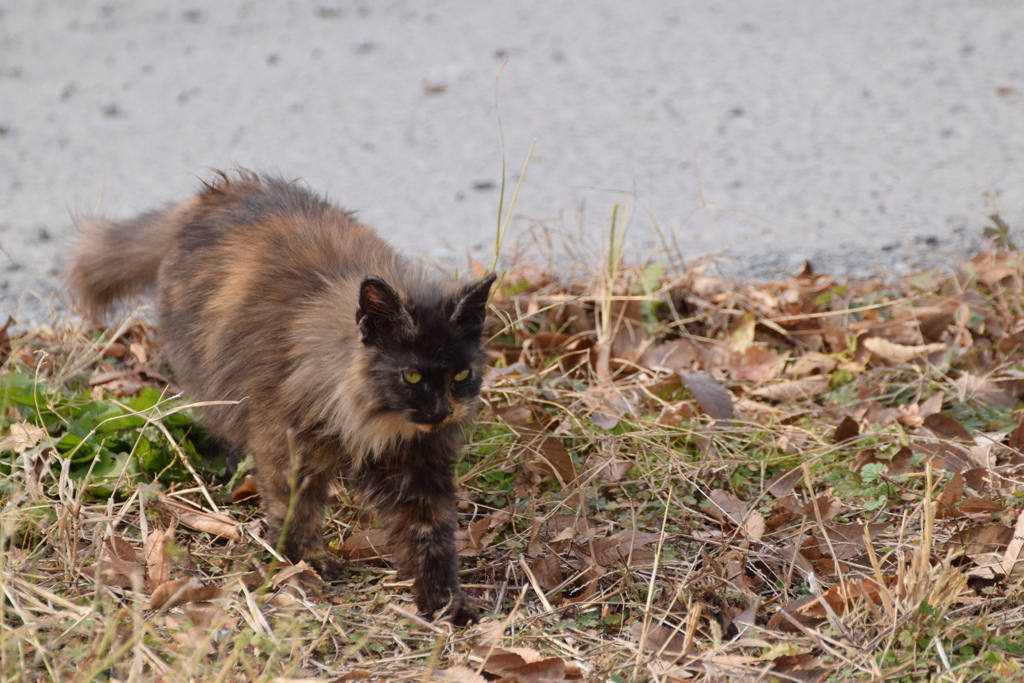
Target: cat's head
x,y
426,353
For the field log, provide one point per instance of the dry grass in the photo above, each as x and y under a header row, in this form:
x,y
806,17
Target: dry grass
x,y
676,477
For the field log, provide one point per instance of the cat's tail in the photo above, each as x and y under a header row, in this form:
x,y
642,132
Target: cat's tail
x,y
115,259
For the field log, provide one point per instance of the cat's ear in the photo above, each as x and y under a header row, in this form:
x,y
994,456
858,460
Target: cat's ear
x,y
471,306
380,311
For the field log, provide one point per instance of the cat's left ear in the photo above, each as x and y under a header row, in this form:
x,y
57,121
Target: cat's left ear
x,y
471,306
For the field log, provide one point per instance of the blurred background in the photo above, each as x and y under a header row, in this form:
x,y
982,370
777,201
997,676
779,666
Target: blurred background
x,y
873,136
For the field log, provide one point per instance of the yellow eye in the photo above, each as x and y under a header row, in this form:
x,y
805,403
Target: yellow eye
x,y
462,376
412,377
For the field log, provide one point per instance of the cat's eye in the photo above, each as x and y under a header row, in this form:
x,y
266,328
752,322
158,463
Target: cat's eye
x,y
412,377
462,376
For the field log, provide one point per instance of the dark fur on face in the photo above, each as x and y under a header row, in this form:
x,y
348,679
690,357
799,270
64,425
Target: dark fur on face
x,y
344,358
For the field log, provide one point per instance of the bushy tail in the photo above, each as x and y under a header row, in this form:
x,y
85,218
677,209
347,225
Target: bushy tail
x,y
115,259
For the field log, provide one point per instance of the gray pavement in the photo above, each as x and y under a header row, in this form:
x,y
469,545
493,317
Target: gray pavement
x,y
869,136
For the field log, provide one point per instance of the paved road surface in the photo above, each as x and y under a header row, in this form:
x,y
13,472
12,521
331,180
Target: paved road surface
x,y
861,134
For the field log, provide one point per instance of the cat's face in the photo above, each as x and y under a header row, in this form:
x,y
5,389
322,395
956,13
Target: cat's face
x,y
428,358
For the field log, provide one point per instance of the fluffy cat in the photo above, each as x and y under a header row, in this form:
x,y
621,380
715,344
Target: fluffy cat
x,y
343,357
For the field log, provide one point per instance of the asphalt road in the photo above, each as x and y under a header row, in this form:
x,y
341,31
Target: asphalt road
x,y
868,136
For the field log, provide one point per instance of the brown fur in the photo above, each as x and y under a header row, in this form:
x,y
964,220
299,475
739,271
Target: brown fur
x,y
266,295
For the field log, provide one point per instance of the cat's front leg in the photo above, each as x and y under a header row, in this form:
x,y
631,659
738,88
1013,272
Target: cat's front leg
x,y
296,510
417,506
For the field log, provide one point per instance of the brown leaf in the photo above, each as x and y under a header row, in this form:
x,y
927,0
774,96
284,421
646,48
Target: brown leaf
x,y
21,437
1016,440
828,507
548,571
544,453
300,575
205,614
804,668
945,427
456,674
985,390
978,540
711,396
246,491
367,544
154,551
950,496
172,593
726,506
623,548
847,429
756,364
792,390
471,541
897,354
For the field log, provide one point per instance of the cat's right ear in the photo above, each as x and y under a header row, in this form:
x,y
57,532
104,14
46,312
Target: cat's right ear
x,y
380,311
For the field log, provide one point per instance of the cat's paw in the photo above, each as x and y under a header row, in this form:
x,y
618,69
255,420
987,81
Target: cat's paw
x,y
455,607
329,567
461,613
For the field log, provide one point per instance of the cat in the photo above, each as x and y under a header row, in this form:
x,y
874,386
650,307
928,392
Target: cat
x,y
344,359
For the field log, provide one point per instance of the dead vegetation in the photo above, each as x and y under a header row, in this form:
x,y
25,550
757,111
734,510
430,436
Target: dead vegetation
x,y
676,477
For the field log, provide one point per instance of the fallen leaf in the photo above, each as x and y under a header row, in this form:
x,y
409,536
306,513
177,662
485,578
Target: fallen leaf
x,y
985,390
21,437
950,496
897,354
847,429
367,544
456,674
623,548
544,452
792,390
300,575
472,541
246,491
154,552
945,427
711,396
726,506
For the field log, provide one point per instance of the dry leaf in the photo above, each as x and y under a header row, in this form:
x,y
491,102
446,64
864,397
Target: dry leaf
x,y
154,551
883,349
246,491
456,674
847,429
945,427
711,396
541,451
171,593
726,506
367,544
472,541
300,575
215,525
985,390
792,390
21,437
206,614
623,548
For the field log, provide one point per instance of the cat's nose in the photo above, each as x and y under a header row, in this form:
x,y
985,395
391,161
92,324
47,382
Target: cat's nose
x,y
441,411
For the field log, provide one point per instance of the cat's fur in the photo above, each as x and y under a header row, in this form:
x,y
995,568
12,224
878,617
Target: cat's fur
x,y
270,296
